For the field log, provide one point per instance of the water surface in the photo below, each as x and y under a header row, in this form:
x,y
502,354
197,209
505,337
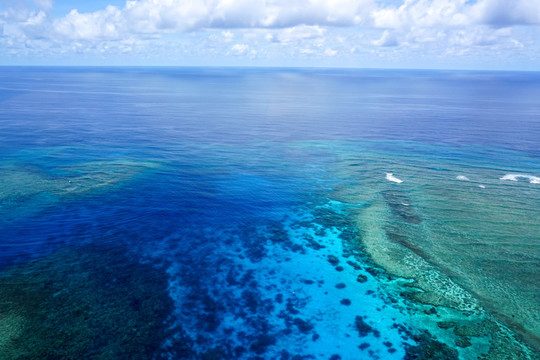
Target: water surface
x,y
252,211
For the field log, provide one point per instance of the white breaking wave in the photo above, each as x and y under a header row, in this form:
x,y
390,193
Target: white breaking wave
x,y
391,177
462,177
516,177
482,186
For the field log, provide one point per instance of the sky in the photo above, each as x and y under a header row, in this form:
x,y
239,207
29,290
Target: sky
x,y
424,34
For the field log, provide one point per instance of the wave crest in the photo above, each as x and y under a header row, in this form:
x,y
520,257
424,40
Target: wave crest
x,y
391,177
516,177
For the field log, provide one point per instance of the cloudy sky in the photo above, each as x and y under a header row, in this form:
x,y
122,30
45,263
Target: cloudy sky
x,y
447,34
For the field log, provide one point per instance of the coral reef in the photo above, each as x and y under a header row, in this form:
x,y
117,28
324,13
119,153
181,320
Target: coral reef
x,y
83,303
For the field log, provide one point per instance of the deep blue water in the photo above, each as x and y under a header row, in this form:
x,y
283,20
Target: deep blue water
x,y
233,185
154,105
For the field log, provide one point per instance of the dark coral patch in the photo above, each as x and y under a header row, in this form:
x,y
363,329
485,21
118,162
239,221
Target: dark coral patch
x,y
333,260
85,303
428,348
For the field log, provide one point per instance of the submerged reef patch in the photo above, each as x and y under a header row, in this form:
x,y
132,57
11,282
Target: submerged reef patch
x,y
428,348
403,248
25,189
82,303
400,204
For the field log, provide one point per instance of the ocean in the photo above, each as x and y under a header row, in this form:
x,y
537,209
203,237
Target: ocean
x,y
254,213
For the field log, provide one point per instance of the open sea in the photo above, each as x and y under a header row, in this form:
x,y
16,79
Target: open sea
x,y
287,214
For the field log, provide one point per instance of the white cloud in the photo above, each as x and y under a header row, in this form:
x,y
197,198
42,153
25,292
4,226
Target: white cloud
x,y
297,33
319,28
516,44
422,13
387,39
307,51
456,13
484,37
36,25
162,16
155,16
330,52
158,17
99,25
423,35
286,13
227,36
239,49
501,13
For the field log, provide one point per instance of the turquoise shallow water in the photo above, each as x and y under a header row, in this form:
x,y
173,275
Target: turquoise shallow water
x,y
470,219
275,214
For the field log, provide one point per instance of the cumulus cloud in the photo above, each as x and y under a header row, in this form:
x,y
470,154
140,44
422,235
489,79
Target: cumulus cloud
x,y
153,16
457,13
99,25
286,13
157,17
502,13
162,16
36,25
387,39
227,36
303,26
296,33
422,13
239,49
483,37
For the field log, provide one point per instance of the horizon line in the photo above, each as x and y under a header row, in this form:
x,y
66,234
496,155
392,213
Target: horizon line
x,y
270,67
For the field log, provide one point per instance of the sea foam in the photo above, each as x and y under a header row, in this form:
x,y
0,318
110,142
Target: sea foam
x,y
391,177
516,177
462,177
